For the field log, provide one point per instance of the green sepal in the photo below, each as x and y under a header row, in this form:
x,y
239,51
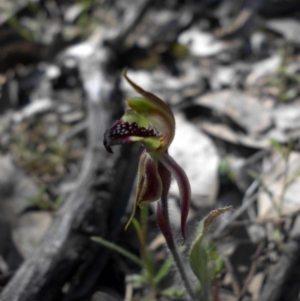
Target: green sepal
x,y
132,116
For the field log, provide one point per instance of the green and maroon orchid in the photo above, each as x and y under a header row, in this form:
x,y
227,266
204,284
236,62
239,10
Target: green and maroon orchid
x,y
151,122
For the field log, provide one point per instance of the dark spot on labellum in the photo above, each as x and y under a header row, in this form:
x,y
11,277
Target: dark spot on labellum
x,y
121,132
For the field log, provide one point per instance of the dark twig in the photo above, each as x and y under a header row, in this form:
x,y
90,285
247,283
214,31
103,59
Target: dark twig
x,y
252,271
50,264
280,272
132,18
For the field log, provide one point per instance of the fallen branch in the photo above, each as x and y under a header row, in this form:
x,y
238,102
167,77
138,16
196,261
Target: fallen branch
x,y
279,273
85,213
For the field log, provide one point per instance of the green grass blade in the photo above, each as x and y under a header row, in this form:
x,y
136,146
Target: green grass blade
x,y
118,249
164,270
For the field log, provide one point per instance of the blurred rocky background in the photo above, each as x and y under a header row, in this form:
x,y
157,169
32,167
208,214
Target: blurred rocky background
x,y
230,71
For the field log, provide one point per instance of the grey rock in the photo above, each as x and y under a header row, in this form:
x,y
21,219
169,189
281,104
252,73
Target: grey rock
x,y
248,111
72,117
36,107
289,28
73,12
263,68
287,117
29,229
201,44
64,108
101,296
15,188
197,155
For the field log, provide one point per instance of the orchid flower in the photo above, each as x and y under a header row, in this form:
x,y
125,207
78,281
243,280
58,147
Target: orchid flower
x,y
151,122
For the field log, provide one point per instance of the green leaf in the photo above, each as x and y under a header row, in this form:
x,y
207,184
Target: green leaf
x,y
224,167
139,231
216,262
278,147
199,261
253,174
294,177
198,257
198,289
147,257
179,50
24,33
172,292
147,298
258,178
138,281
164,270
219,263
149,264
118,249
181,249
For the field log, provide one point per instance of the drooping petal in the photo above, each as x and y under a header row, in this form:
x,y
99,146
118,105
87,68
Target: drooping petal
x,y
131,128
162,216
165,176
155,111
183,185
152,186
149,184
162,212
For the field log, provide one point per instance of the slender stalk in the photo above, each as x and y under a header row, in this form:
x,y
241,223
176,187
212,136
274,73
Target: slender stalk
x,y
163,223
182,273
216,290
147,263
284,187
205,292
144,220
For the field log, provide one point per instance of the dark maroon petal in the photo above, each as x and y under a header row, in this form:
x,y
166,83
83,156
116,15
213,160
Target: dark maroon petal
x,y
183,185
149,185
107,145
124,132
162,213
165,176
164,223
152,185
